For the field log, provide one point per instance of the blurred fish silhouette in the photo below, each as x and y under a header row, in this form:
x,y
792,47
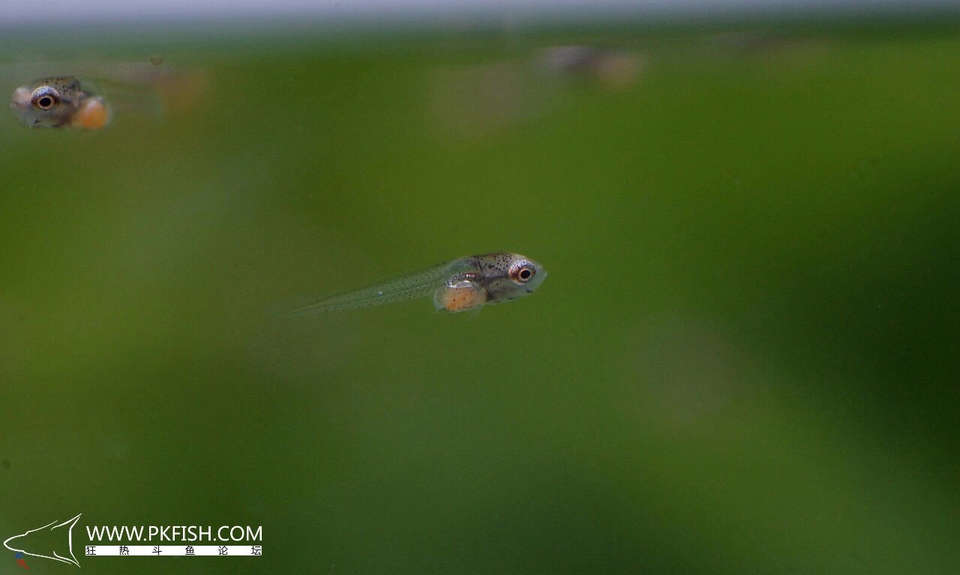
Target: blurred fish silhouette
x,y
477,99
608,67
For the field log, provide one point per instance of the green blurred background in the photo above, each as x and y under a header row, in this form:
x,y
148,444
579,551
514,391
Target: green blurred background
x,y
744,359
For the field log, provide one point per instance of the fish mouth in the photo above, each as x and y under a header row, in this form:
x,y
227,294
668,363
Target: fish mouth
x,y
20,98
20,104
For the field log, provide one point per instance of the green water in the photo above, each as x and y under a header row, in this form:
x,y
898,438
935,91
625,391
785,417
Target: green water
x,y
744,359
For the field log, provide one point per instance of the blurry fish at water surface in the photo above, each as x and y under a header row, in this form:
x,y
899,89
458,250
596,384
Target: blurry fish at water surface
x,y
73,100
608,67
476,99
462,284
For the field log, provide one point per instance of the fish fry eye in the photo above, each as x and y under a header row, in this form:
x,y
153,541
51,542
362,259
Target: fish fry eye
x,y
44,100
525,274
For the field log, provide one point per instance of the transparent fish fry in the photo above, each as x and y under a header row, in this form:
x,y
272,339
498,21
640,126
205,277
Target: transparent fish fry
x,y
460,285
75,100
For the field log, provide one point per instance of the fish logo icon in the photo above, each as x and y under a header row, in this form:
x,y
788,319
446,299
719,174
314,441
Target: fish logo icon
x,y
19,543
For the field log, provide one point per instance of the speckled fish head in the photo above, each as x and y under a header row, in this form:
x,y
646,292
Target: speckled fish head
x,y
50,102
509,276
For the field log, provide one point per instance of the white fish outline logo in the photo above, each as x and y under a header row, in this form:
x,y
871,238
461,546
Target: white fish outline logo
x,y
69,523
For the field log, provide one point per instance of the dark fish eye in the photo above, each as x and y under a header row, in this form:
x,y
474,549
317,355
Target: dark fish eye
x,y
525,274
45,99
